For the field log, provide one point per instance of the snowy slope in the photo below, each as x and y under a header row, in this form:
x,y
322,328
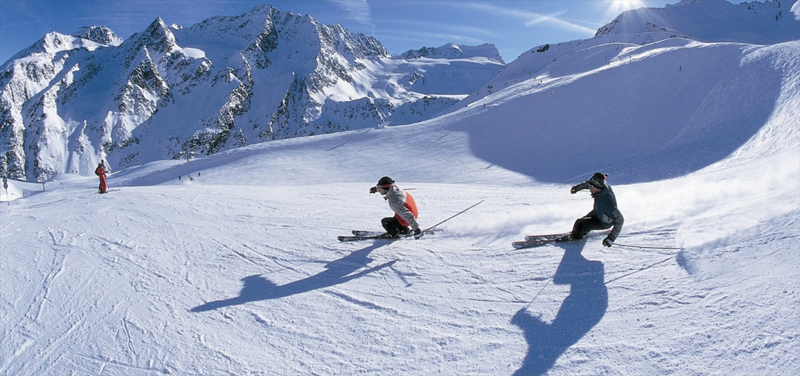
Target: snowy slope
x,y
685,91
237,271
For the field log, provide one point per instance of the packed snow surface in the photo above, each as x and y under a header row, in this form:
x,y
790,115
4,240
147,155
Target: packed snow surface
x,y
238,271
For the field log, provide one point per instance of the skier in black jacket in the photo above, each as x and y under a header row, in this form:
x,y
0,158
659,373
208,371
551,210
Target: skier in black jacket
x,y
605,213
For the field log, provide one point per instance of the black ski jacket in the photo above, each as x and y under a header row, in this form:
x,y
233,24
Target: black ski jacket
x,y
605,209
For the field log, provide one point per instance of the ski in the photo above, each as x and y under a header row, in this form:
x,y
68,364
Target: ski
x,y
546,236
532,241
355,238
367,233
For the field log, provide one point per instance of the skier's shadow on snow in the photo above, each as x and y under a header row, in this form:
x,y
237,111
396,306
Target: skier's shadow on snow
x,y
581,310
257,287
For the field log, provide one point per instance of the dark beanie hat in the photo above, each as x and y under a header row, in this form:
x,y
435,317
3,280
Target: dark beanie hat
x,y
598,180
385,182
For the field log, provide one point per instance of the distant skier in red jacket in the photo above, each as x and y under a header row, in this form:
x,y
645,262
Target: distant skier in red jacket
x,y
100,171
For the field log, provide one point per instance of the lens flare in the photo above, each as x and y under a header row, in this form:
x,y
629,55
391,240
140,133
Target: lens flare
x,y
615,7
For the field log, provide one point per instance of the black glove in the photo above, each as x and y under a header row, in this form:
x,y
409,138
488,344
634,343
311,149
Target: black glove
x,y
417,234
579,187
608,242
373,189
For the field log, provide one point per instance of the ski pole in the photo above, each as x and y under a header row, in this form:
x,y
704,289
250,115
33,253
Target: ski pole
x,y
645,247
454,215
639,270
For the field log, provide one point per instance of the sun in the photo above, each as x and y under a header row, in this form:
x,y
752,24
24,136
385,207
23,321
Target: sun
x,y
615,7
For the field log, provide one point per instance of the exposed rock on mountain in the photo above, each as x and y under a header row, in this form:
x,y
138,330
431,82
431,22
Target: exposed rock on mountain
x,y
70,101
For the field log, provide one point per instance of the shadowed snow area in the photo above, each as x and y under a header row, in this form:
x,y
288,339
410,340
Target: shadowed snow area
x,y
694,104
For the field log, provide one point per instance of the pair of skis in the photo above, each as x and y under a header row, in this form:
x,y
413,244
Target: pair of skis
x,y
366,235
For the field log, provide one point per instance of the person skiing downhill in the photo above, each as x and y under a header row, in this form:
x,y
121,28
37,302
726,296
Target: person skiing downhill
x,y
404,207
100,171
605,213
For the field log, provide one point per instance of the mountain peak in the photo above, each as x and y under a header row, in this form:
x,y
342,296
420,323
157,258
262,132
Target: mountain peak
x,y
157,37
86,37
262,9
158,30
454,51
98,34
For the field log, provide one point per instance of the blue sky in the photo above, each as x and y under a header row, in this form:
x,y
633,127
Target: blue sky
x,y
513,26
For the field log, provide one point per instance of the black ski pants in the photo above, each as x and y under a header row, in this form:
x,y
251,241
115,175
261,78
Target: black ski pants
x,y
393,226
584,225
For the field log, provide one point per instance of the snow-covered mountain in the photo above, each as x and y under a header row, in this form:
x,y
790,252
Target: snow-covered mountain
x,y
709,85
171,92
237,270
767,22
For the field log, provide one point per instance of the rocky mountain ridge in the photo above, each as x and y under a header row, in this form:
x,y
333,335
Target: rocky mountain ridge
x,y
69,101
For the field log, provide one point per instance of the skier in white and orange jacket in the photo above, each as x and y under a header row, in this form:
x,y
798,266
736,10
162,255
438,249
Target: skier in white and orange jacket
x,y
404,207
